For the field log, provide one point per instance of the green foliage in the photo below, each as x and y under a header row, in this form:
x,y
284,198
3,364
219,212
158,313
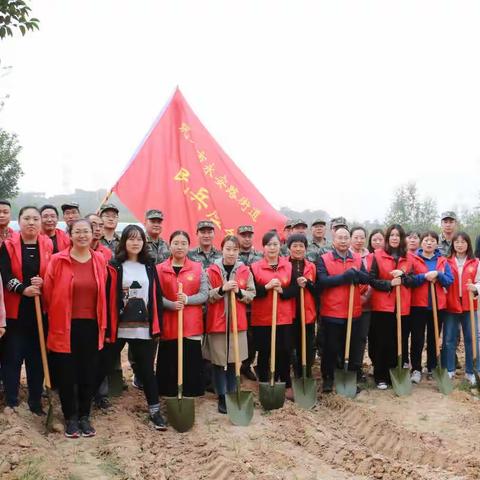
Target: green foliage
x,y
408,210
15,14
10,169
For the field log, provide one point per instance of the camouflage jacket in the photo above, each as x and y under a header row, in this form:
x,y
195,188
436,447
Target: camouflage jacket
x,y
158,250
206,259
111,244
250,257
444,245
315,250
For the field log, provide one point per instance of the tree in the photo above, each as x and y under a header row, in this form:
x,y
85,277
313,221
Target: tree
x,y
15,14
409,211
10,169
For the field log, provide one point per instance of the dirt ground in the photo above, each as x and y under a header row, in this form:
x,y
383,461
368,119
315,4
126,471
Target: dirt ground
x,y
377,435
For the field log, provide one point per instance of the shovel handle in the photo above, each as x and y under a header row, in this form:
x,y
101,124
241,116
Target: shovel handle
x,y
349,322
41,337
180,345
398,302
273,337
304,333
435,319
233,306
472,326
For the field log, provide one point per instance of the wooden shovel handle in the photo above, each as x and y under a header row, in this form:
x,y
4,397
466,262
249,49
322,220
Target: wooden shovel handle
x,y
398,302
435,319
233,306
273,337
472,326
41,337
180,342
304,333
349,322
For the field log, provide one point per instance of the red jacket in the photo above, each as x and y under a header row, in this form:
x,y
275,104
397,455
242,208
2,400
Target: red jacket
x,y
63,239
115,301
385,301
420,295
106,252
455,304
190,277
262,306
310,273
334,300
14,249
58,290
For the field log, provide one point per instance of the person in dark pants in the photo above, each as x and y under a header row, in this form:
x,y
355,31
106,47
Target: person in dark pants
x,y
23,261
336,272
76,305
428,266
136,311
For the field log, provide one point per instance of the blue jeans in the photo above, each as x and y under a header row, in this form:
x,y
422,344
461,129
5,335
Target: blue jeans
x,y
224,380
450,337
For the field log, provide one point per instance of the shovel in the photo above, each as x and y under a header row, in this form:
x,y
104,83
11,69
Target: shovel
x,y
180,410
439,374
239,403
346,381
401,382
46,371
304,389
474,338
272,395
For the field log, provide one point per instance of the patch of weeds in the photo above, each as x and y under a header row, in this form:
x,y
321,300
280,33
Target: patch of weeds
x,y
32,471
111,467
465,386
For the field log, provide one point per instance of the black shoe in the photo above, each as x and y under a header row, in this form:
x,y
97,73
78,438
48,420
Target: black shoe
x,y
327,386
103,403
246,371
158,421
137,383
222,406
72,429
37,410
86,428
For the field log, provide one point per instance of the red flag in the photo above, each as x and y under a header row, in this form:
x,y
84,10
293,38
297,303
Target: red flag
x,y
180,169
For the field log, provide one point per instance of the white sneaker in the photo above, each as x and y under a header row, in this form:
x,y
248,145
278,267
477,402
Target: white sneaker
x,y
451,375
382,386
471,378
416,376
406,365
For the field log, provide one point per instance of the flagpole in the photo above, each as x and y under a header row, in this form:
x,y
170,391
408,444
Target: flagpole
x,y
105,199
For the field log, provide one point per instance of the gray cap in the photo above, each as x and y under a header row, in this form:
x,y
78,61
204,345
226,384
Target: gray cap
x,y
318,221
298,222
288,223
338,222
108,206
245,229
205,224
69,205
449,214
153,213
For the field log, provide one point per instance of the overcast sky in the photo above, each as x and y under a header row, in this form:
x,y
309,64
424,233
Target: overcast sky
x,y
322,104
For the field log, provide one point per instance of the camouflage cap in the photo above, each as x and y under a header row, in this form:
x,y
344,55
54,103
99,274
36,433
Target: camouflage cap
x,y
245,229
318,221
205,224
449,214
298,222
288,224
153,213
108,206
69,205
338,222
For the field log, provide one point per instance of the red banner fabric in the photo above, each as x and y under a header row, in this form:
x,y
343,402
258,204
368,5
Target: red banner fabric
x,y
182,171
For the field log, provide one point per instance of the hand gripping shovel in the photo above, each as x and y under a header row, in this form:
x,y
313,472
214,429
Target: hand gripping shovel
x,y
345,380
474,339
401,382
180,410
239,403
272,395
304,389
439,374
46,371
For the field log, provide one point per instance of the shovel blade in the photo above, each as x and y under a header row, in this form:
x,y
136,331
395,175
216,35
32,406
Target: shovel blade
x,y
180,413
305,392
346,383
240,407
49,419
271,396
444,382
401,382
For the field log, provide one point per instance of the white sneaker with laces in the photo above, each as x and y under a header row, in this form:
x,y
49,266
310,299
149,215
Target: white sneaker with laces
x,y
382,386
471,378
416,376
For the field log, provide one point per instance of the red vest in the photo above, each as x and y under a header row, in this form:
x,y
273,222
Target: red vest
x,y
420,294
216,318
385,301
310,273
334,300
262,307
189,276
455,304
58,290
14,249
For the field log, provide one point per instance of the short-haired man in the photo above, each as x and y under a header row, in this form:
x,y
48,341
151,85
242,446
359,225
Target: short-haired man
x,y
5,217
49,218
205,253
449,227
109,215
287,231
71,212
319,244
97,230
158,247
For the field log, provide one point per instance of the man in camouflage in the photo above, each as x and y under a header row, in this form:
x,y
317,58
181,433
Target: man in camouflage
x,y
287,231
109,215
157,247
319,244
449,227
205,253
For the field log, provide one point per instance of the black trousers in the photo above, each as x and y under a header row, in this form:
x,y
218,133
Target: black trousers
x,y
283,351
383,335
76,372
422,318
309,344
251,342
334,346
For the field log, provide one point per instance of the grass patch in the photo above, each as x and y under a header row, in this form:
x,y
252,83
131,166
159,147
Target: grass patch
x,y
111,467
32,471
